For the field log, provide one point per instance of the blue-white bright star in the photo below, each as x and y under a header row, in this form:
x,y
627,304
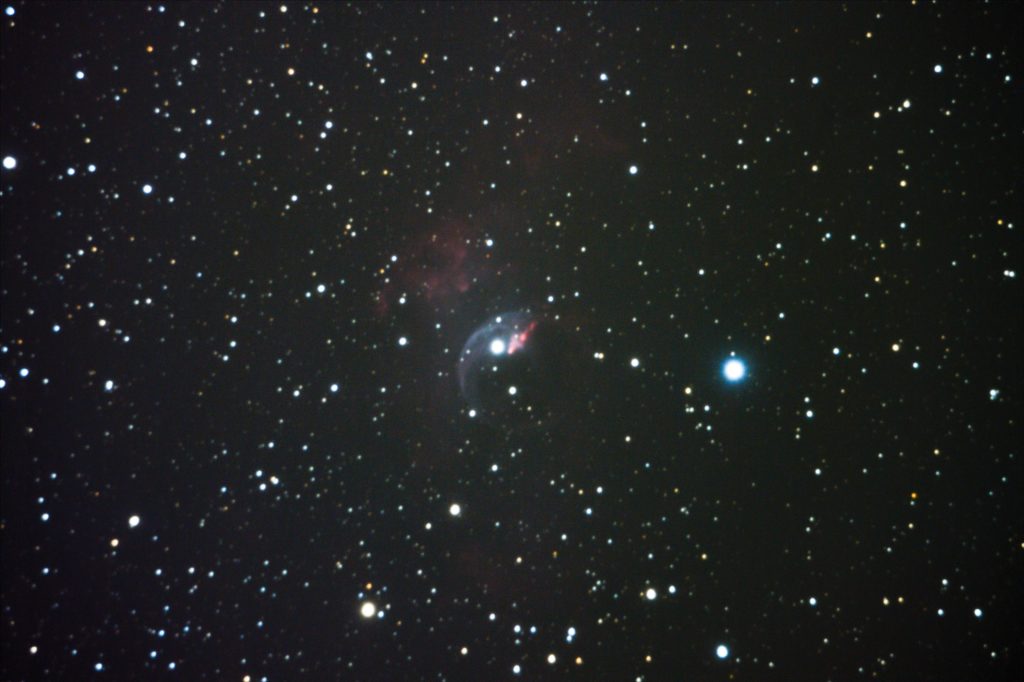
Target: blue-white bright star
x,y
734,369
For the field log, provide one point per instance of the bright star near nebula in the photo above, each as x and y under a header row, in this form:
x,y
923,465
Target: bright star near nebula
x,y
645,331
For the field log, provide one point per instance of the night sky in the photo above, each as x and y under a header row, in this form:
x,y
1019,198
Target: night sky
x,y
484,342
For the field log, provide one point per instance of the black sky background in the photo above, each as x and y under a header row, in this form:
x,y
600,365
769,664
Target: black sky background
x,y
850,510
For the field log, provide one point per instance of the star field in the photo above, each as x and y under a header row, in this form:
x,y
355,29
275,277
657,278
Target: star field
x,y
480,341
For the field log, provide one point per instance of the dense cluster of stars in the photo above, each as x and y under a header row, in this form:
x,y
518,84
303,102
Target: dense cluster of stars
x,y
473,341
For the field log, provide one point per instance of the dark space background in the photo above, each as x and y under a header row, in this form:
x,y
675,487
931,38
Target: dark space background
x,y
244,245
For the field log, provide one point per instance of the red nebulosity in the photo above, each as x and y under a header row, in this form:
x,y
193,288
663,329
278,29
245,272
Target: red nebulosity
x,y
446,267
519,340
438,266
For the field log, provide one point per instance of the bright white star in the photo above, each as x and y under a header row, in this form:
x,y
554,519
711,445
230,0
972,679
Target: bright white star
x,y
734,369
